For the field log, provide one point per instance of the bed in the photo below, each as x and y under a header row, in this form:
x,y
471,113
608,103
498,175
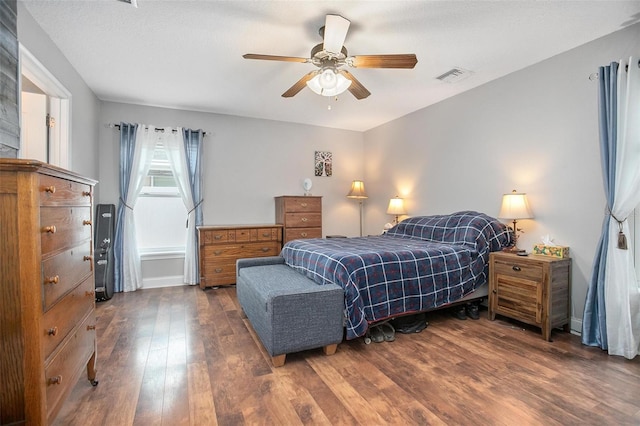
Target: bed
x,y
421,264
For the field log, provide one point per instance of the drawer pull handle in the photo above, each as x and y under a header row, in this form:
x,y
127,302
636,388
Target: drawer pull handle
x,y
217,252
85,258
304,234
303,204
91,327
52,280
89,293
218,270
304,219
50,189
217,237
86,193
516,268
52,331
266,234
51,229
265,249
54,380
86,222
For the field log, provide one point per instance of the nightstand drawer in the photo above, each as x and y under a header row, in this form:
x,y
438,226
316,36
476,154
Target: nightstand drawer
x,y
519,269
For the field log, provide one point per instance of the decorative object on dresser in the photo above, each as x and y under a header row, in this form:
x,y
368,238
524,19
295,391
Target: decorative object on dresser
x,y
533,289
396,208
221,246
47,296
301,217
357,191
515,206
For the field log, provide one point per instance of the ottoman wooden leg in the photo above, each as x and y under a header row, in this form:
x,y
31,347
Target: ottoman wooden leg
x,y
330,349
278,360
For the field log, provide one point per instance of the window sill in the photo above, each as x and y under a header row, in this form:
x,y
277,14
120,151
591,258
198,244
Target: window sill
x,y
162,253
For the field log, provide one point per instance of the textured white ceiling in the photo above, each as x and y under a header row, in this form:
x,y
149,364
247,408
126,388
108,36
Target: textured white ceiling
x,y
188,54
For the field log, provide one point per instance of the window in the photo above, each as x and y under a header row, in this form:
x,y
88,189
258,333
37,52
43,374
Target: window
x,y
160,213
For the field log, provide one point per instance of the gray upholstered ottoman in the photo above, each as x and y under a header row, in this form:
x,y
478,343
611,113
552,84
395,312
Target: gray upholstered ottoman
x,y
288,311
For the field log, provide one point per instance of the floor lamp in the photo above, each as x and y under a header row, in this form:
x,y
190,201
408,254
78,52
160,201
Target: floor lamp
x,y
358,192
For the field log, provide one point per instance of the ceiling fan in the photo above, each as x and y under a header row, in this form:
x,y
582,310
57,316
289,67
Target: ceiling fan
x,y
330,56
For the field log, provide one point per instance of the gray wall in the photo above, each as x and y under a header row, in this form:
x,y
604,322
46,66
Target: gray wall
x,y
247,162
535,130
9,117
84,104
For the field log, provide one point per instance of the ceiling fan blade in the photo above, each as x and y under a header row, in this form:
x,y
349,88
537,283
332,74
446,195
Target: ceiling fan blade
x,y
274,58
335,31
384,61
299,85
356,88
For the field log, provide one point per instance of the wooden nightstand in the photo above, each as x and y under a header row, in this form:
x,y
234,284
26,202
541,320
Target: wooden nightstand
x,y
533,289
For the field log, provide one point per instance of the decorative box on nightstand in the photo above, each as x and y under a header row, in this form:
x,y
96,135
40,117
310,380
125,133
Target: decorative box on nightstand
x,y
533,289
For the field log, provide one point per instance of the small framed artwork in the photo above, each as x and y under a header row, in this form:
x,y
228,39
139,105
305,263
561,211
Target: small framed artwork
x,y
323,163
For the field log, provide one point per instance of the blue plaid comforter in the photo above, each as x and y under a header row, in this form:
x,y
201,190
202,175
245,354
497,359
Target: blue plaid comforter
x,y
420,264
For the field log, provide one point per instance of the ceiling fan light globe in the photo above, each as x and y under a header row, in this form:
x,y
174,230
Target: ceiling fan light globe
x,y
342,84
328,79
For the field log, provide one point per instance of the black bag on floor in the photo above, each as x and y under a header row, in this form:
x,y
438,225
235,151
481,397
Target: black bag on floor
x,y
410,323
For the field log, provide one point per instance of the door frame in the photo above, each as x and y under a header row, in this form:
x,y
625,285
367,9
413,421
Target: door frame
x,y
59,106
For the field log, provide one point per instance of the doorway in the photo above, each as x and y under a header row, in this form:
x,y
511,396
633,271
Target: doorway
x,y
45,106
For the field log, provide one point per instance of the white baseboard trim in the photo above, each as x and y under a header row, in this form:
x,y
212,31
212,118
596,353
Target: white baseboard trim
x,y
159,282
576,326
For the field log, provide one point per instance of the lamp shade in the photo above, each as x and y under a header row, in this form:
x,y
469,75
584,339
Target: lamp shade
x,y
396,207
515,206
357,190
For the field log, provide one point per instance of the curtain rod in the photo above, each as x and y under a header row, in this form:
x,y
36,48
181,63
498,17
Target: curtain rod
x,y
595,75
157,129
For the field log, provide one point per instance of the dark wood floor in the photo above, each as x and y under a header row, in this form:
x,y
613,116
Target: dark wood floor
x,y
179,356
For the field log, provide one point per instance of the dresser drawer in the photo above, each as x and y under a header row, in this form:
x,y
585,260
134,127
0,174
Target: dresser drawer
x,y
267,248
62,272
302,204
303,220
268,234
218,236
302,233
62,227
58,192
63,317
63,370
221,272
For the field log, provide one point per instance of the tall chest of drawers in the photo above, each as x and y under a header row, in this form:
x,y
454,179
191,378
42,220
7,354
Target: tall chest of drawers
x,y
301,217
47,293
221,246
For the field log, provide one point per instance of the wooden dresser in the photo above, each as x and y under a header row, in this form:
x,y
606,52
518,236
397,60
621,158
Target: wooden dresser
x,y
300,216
533,289
222,246
47,293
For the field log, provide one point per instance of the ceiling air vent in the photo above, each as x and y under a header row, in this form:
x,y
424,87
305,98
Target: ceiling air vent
x,y
133,3
454,75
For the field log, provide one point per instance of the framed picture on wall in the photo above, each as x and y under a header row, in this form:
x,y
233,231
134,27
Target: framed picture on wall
x,y
323,163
